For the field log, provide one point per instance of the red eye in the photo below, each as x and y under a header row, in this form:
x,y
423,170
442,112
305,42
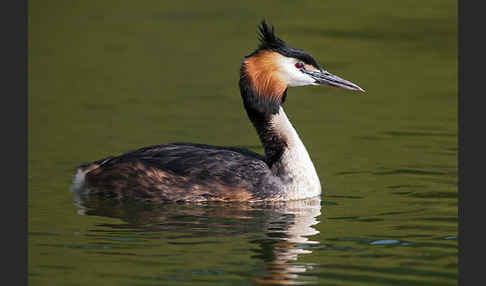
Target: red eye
x,y
299,65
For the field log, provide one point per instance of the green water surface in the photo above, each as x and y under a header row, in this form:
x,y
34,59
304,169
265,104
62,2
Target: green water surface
x,y
107,77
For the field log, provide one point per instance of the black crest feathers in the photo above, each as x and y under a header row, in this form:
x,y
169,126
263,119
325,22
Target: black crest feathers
x,y
267,38
268,41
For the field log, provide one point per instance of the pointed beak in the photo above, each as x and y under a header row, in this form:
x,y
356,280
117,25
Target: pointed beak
x,y
323,76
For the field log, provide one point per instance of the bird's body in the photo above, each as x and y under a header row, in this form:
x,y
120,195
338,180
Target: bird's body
x,y
198,172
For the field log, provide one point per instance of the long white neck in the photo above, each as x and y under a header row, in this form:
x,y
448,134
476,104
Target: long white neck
x,y
294,167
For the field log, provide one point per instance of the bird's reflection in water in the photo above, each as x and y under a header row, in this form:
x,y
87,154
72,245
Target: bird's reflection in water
x,y
286,238
287,228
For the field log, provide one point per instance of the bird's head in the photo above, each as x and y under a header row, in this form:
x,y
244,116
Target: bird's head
x,y
274,66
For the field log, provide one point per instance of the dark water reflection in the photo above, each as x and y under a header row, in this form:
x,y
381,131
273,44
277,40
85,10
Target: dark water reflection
x,y
284,243
280,231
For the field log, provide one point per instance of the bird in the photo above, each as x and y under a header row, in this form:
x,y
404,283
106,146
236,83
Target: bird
x,y
192,172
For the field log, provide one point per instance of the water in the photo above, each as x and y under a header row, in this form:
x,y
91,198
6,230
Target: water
x,y
108,77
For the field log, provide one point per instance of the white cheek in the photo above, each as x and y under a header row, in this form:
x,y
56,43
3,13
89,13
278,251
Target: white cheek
x,y
292,75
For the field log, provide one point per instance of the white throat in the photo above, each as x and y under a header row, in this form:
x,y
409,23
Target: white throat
x,y
295,167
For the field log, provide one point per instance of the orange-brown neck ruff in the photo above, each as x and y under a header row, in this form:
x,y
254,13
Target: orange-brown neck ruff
x,y
262,70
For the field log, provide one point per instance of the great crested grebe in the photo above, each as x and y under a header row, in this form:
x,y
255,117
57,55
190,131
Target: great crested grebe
x,y
197,172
